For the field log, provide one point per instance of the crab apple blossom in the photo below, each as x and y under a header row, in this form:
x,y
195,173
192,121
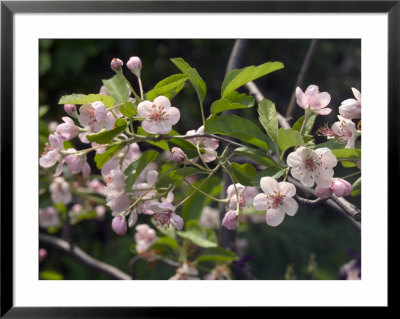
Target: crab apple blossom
x,y
164,215
309,166
210,218
134,64
246,195
70,109
144,237
230,220
119,225
186,272
159,115
313,100
52,153
77,164
116,64
59,190
100,212
95,117
345,130
208,144
351,108
121,160
220,272
42,254
48,217
67,130
177,155
277,200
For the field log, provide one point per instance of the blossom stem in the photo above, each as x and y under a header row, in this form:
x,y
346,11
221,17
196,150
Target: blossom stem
x,y
350,175
195,191
198,152
306,115
205,194
129,84
140,87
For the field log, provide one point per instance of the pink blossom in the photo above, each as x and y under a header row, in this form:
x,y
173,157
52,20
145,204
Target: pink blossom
x,y
120,203
220,272
67,131
164,216
115,184
135,65
42,254
144,237
230,220
95,117
60,192
52,153
48,217
186,272
208,144
100,212
309,166
116,64
77,208
177,155
345,130
70,109
97,186
210,218
277,200
341,187
75,164
313,100
246,195
119,225
159,115
351,108
121,160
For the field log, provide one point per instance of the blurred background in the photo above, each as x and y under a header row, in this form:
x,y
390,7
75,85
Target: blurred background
x,y
312,245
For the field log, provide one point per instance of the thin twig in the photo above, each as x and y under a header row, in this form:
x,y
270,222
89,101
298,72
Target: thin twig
x,y
80,255
237,54
309,202
300,77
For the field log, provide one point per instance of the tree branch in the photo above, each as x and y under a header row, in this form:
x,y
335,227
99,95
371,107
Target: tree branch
x,y
300,77
309,202
80,255
237,54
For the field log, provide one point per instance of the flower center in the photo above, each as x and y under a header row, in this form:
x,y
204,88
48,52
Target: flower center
x,y
157,115
109,179
162,219
311,163
47,148
91,113
276,200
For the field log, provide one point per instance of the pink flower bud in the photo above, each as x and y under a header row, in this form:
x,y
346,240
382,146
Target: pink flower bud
x,y
324,192
67,131
42,254
135,65
116,64
230,220
341,187
119,225
70,109
178,155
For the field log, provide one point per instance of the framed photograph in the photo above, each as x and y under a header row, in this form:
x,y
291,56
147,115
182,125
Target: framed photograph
x,y
164,155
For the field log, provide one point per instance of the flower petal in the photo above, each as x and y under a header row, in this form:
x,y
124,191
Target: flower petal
x,y
269,185
274,217
260,202
173,115
144,108
289,206
287,189
162,101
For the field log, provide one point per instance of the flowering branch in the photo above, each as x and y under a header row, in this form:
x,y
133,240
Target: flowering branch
x,y
83,257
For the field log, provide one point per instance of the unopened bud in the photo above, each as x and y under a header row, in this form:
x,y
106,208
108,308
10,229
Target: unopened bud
x,y
341,187
178,155
119,225
116,64
70,109
230,220
135,65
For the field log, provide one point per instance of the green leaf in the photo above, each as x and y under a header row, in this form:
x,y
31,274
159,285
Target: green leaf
x,y
104,137
108,101
200,236
217,254
260,157
309,123
117,88
50,275
194,205
331,144
103,158
161,144
188,148
232,101
136,167
169,87
273,171
194,77
176,175
166,242
243,173
347,154
240,128
288,138
239,77
356,187
43,109
348,164
268,118
128,109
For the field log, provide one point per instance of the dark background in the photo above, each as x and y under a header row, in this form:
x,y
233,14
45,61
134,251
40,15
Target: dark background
x,y
78,66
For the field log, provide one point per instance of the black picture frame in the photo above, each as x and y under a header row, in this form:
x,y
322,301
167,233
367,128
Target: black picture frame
x,y
9,8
